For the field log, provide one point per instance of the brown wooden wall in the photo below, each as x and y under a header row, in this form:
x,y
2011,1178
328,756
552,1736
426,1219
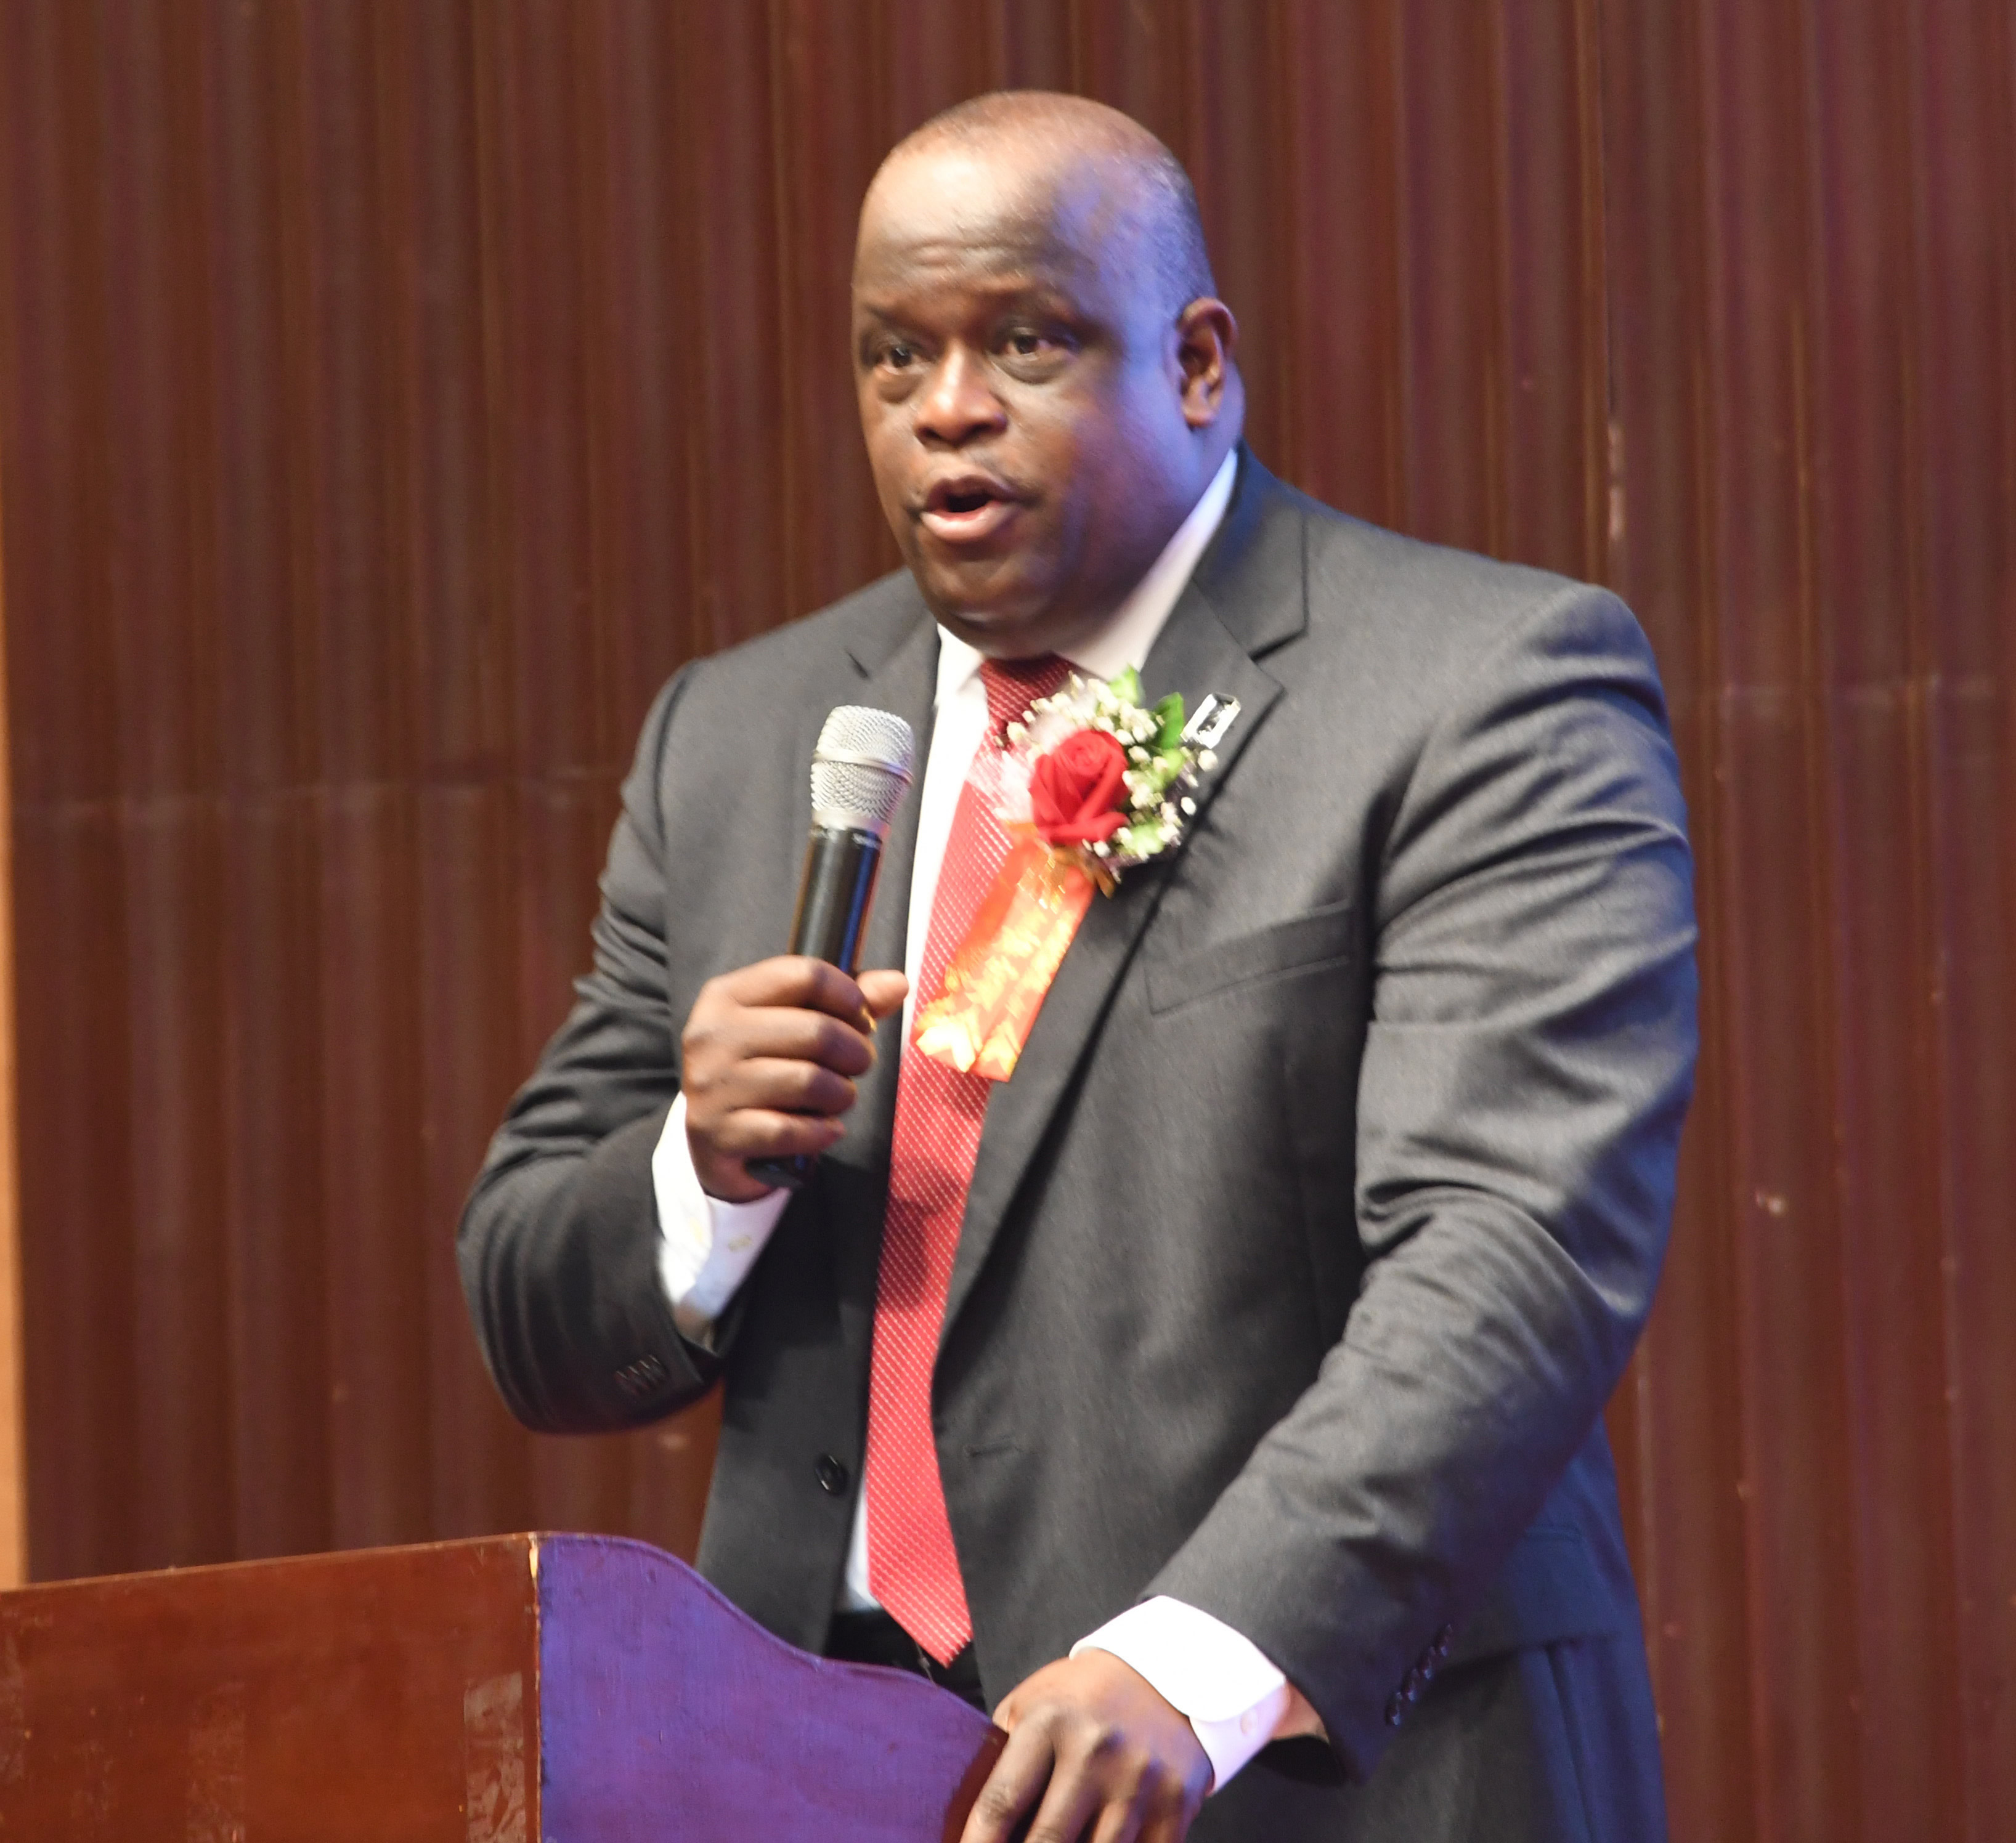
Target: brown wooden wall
x,y
391,393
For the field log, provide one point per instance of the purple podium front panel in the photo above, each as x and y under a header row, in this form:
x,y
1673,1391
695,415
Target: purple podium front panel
x,y
665,1712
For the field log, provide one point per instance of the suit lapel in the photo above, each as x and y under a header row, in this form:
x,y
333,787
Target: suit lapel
x,y
1247,593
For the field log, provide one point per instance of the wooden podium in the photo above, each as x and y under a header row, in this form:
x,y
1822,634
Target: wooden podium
x,y
510,1689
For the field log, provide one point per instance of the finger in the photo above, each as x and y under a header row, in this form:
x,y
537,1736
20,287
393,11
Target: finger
x,y
1014,1785
755,1133
781,1085
801,982
1120,1823
884,991
789,1034
810,1036
1071,1802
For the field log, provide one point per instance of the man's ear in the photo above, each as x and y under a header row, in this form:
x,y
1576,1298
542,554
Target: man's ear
x,y
1206,335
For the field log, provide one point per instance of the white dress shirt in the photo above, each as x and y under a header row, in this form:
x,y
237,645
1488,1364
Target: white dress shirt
x,y
1235,1699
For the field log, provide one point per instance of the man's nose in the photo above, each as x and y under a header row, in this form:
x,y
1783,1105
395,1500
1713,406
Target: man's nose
x,y
959,402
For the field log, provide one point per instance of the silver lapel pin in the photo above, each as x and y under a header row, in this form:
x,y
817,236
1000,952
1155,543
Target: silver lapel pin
x,y
1214,716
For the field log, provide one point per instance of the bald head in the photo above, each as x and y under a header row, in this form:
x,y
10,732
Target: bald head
x,y
1067,141
1045,376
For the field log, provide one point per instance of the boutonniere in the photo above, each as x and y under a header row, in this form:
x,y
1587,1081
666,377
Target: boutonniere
x,y
1100,780
1092,784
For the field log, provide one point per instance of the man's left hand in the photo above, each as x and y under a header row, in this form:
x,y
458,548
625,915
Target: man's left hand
x,y
1109,1759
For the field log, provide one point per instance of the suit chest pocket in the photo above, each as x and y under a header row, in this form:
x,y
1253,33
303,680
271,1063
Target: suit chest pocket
x,y
1322,938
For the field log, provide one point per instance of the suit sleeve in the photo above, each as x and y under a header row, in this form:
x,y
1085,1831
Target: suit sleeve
x,y
1527,1065
559,1245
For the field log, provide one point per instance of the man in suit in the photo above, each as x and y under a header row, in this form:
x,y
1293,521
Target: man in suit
x,y
1227,1381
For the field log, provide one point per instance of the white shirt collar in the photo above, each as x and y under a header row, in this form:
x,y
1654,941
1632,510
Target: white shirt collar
x,y
1125,639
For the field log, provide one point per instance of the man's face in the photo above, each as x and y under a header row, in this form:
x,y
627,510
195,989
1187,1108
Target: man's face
x,y
1023,394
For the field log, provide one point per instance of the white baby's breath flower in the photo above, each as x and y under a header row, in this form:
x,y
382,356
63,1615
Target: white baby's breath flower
x,y
1207,759
1189,805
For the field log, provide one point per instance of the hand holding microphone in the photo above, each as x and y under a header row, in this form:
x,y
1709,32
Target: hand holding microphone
x,y
771,1052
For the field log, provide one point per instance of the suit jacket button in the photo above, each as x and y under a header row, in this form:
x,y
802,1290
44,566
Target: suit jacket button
x,y
833,1475
1443,1640
1396,1710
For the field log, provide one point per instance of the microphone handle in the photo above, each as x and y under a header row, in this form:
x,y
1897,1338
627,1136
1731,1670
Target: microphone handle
x,y
833,895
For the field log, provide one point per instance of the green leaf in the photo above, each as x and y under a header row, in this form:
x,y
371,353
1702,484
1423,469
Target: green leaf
x,y
1127,686
1141,839
1169,714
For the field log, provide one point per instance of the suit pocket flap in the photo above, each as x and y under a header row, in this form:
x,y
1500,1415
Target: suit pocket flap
x,y
1319,937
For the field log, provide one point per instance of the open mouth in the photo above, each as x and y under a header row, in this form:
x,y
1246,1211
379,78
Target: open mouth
x,y
966,507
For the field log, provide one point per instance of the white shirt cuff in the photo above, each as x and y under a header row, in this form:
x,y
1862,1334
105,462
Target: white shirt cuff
x,y
709,1246
1235,1698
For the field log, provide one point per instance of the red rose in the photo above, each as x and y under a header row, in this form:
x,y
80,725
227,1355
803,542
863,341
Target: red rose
x,y
1074,791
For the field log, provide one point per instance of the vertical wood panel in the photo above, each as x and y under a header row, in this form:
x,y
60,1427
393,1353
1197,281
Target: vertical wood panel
x,y
1961,441
73,1011
13,1403
1681,1407
260,518
1876,660
1341,435
1770,828
1556,370
1450,82
392,393
832,131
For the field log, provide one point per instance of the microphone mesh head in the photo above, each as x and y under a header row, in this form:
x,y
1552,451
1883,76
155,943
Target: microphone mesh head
x,y
860,767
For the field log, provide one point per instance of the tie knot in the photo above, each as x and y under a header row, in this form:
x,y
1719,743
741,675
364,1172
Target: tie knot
x,y
1013,685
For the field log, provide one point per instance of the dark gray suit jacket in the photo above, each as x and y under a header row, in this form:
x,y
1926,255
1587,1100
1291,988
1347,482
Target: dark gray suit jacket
x,y
1322,1212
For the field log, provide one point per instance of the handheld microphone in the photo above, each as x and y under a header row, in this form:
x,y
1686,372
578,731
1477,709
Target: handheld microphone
x,y
861,765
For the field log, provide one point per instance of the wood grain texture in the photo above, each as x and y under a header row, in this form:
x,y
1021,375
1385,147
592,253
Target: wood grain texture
x,y
392,393
394,1694
503,1690
13,1425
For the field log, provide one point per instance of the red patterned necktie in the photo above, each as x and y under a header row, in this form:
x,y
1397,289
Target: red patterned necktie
x,y
912,1568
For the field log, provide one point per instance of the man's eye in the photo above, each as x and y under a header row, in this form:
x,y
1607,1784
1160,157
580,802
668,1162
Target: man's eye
x,y
1027,345
897,355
